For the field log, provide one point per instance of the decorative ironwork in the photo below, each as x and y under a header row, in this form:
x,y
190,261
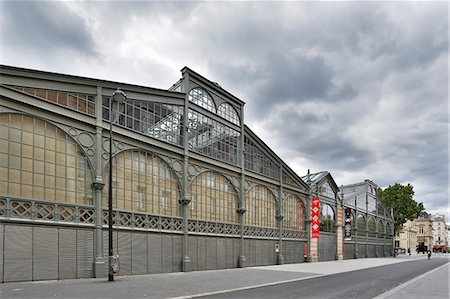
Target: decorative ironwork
x,y
19,209
213,228
143,221
252,231
293,234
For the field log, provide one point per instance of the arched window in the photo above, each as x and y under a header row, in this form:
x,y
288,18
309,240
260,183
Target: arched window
x,y
201,98
260,207
294,213
372,227
142,182
40,161
327,219
380,227
226,111
388,228
213,198
361,221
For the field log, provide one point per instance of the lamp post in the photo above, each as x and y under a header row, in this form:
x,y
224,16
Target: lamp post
x,y
118,97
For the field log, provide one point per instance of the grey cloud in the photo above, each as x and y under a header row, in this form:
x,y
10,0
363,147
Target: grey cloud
x,y
45,27
313,136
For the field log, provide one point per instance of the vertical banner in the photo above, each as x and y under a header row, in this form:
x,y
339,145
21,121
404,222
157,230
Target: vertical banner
x,y
348,224
315,217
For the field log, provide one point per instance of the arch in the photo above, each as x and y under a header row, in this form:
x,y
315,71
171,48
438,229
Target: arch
x,y
213,198
388,228
261,207
39,160
201,98
380,227
142,182
227,111
372,227
327,219
361,222
294,213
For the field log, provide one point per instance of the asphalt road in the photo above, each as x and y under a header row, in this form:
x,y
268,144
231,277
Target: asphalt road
x,y
367,283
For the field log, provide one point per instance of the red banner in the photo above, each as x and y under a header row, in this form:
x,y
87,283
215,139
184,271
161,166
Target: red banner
x,y
315,217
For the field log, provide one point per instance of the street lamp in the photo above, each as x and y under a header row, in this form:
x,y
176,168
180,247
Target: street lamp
x,y
118,97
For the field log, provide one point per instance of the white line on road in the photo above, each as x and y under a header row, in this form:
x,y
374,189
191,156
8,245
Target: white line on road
x,y
247,287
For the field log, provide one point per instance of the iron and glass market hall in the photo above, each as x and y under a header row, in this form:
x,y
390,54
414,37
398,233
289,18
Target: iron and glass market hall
x,y
193,188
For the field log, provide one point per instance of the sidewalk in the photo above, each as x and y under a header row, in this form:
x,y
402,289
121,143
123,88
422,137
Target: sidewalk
x,y
184,285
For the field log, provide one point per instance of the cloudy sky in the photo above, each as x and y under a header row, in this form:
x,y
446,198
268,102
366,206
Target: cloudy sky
x,y
356,88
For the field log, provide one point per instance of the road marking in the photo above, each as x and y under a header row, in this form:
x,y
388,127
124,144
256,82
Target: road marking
x,y
247,287
404,285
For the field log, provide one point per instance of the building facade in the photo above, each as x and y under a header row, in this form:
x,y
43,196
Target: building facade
x,y
329,244
424,226
406,240
193,188
440,235
372,223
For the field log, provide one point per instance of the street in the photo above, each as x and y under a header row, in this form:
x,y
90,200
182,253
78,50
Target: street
x,y
361,278
367,283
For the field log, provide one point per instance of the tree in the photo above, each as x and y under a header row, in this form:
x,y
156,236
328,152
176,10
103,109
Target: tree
x,y
400,199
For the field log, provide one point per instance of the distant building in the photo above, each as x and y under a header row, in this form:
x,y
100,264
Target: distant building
x,y
440,235
424,230
406,240
372,222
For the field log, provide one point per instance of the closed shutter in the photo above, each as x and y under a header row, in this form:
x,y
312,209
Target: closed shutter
x,y
124,250
139,254
211,253
2,227
177,252
18,253
154,254
221,254
167,253
85,253
193,251
230,253
201,253
45,253
67,253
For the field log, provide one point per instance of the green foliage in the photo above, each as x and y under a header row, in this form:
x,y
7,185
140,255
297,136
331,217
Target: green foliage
x,y
400,199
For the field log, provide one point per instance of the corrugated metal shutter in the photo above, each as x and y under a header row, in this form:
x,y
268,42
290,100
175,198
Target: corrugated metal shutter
x,y
327,247
45,253
154,253
236,253
259,252
167,253
230,254
2,227
265,252
349,251
67,253
85,253
211,253
177,252
221,254
105,248
201,254
124,250
193,252
18,253
252,252
139,253
361,250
